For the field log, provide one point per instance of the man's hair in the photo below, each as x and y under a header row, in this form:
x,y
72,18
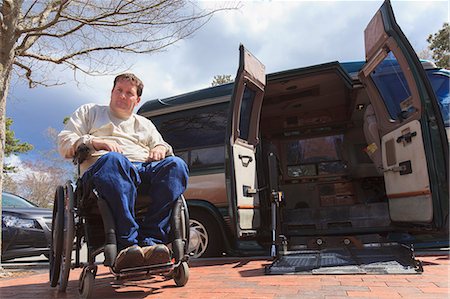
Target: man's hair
x,y
132,78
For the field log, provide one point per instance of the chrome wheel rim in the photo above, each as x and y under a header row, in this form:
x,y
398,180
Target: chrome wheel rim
x,y
198,238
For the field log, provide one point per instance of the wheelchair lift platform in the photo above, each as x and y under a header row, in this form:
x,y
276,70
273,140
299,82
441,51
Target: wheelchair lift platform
x,y
370,259
297,252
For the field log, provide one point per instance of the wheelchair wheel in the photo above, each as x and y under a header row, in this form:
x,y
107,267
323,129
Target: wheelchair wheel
x,y
56,246
69,232
185,224
180,225
181,274
86,283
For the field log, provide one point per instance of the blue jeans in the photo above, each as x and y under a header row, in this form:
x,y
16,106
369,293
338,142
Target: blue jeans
x,y
116,180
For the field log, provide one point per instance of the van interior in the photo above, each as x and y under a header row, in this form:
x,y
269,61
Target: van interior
x,y
334,214
322,129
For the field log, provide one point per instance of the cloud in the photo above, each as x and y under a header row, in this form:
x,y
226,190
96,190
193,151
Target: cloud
x,y
22,169
13,160
282,34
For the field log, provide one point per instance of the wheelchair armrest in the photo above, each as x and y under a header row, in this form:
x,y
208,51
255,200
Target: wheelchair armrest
x,y
81,154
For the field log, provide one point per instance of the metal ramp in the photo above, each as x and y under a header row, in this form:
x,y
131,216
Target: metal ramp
x,y
385,259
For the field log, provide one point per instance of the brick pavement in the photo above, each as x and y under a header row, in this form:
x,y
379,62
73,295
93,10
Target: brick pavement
x,y
244,278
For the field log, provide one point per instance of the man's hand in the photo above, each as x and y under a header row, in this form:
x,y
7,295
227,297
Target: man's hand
x,y
107,145
157,153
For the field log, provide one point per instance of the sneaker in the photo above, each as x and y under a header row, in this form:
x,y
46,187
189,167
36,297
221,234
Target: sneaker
x,y
156,254
129,257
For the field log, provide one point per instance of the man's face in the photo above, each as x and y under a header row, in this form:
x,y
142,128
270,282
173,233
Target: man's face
x,y
124,98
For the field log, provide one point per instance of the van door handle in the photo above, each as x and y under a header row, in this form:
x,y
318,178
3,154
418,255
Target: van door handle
x,y
403,168
407,137
395,169
245,160
249,191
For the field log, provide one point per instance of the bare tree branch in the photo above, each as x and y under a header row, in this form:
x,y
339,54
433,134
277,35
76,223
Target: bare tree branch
x,y
41,18
30,39
65,31
32,82
27,73
26,15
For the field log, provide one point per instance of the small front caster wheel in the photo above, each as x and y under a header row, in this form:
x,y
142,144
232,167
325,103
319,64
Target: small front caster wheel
x,y
181,274
86,284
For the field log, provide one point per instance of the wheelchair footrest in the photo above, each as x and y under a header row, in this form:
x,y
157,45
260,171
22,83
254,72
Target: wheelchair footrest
x,y
150,269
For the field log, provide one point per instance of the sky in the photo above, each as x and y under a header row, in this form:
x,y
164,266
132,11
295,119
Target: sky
x,y
282,34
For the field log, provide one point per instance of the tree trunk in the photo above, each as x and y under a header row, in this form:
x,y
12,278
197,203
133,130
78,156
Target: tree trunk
x,y
8,39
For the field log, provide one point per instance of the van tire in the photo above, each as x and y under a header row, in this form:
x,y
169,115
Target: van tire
x,y
205,235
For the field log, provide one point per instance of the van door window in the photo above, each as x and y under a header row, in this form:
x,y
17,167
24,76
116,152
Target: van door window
x,y
246,112
391,83
441,87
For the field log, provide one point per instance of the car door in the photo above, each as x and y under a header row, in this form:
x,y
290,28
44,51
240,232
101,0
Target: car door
x,y
413,146
241,139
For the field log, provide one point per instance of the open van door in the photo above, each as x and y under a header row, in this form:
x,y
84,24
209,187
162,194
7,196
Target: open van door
x,y
242,138
414,149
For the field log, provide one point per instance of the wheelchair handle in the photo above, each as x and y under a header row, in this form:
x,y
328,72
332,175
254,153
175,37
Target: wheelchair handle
x,y
81,154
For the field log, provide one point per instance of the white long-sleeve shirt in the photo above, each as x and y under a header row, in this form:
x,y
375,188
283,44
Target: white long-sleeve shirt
x,y
136,135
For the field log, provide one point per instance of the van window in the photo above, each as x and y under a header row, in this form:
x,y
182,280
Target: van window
x,y
315,156
392,86
246,112
196,135
199,127
207,157
183,155
440,83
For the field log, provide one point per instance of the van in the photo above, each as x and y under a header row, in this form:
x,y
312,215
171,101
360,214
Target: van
x,y
340,166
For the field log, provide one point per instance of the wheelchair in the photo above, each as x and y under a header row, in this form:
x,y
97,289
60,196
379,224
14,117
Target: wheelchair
x,y
81,216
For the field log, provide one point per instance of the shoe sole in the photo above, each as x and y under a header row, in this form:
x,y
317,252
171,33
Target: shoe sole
x,y
158,257
132,259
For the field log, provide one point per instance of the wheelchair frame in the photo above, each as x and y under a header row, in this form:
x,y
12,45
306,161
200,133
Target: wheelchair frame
x,y
71,223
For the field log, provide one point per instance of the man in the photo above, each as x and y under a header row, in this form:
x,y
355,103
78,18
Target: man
x,y
127,151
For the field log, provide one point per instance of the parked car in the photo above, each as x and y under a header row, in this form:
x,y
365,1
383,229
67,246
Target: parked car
x,y
26,228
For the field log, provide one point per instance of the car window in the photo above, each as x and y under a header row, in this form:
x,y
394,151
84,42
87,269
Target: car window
x,y
315,156
197,127
246,112
392,86
440,82
13,201
313,150
207,157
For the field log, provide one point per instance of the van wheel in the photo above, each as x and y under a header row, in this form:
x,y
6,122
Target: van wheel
x,y
205,238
